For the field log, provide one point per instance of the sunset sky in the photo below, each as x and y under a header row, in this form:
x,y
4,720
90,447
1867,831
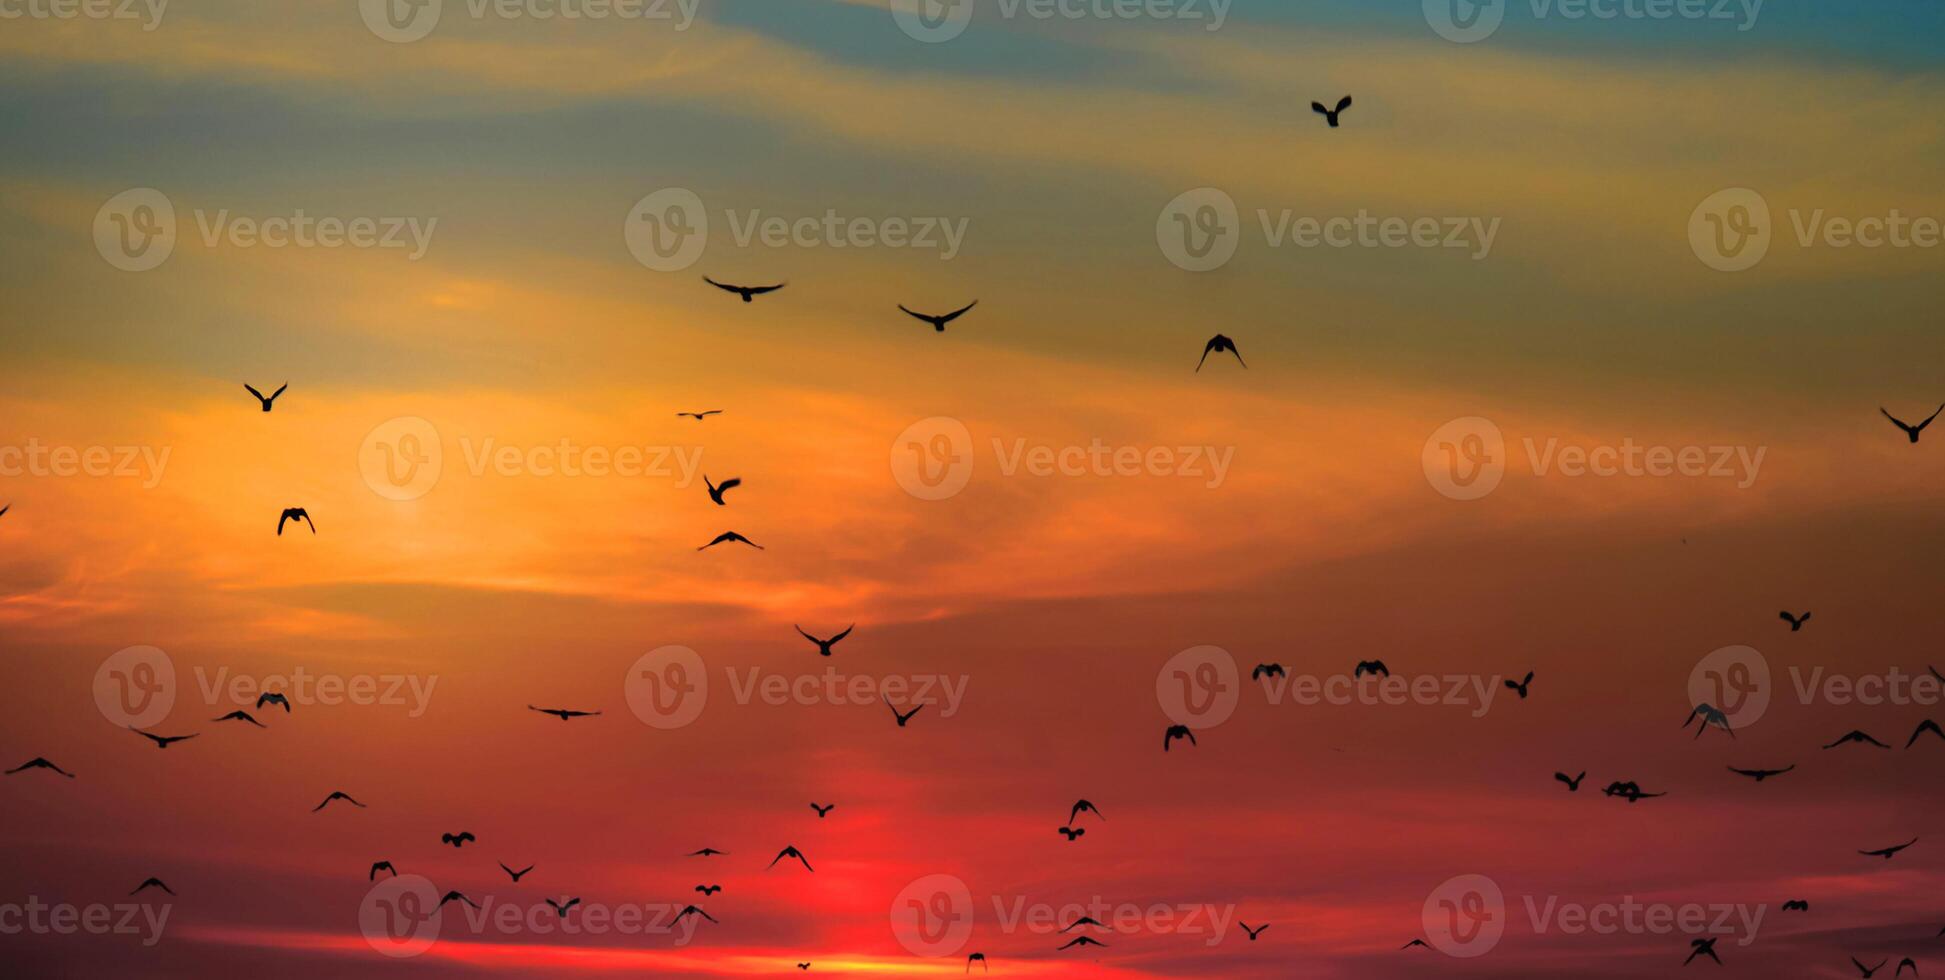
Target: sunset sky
x,y
1285,512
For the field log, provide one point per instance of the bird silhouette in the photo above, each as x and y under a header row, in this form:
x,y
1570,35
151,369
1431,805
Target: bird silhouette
x,y
1796,622
1266,670
272,697
337,795
1856,736
1370,667
560,909
162,741
1330,115
716,490
803,966
240,715
1085,920
981,957
1702,947
821,810
824,646
1253,933
708,890
902,718
938,322
294,514
1907,961
515,875
1796,905
377,866
692,910
1520,686
39,763
1761,774
1573,785
451,896
266,401
4,510
730,536
1629,791
1912,430
1416,942
706,852
1710,715
457,840
1083,941
699,416
1866,971
1927,725
747,292
1217,344
1174,732
563,713
1083,806
1072,832
153,883
1888,852
789,851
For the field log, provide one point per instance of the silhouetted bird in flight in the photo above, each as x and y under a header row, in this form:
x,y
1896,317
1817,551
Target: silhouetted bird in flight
x,y
1887,852
706,852
708,890
1796,905
1217,344
1085,920
294,514
560,909
1266,670
1072,832
1416,942
1371,667
240,715
1174,732
803,966
824,646
1253,933
153,883
730,536
377,866
1702,947
4,510
1083,941
1907,961
692,910
450,896
1912,430
1761,774
162,741
821,810
272,697
716,490
745,291
902,718
1927,725
563,713
1330,115
1856,736
457,840
1629,791
266,401
1796,622
39,763
1573,785
515,875
789,852
981,957
938,322
699,416
1082,806
1520,686
1866,971
1710,715
336,795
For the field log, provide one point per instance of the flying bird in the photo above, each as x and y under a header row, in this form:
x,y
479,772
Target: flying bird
x,y
1912,430
563,713
1083,806
1629,791
1856,736
1253,933
561,909
1083,941
699,416
1573,785
240,715
1796,622
1370,667
272,697
1710,715
1416,942
1217,344
1761,774
747,292
377,866
515,875
1907,961
1330,115
294,514
1072,832
716,490
938,322
266,401
1703,947
902,718
692,910
162,741
708,890
730,536
1887,852
39,763
336,795
790,852
1927,725
457,840
821,810
1796,905
1174,732
1866,971
1266,670
153,883
706,852
981,957
449,896
1085,920
824,646
1520,686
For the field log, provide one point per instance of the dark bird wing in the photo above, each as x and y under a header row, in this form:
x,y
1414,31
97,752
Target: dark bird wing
x,y
254,391
731,482
1343,103
766,289
279,391
847,632
1318,107
914,313
723,286
1895,420
956,314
